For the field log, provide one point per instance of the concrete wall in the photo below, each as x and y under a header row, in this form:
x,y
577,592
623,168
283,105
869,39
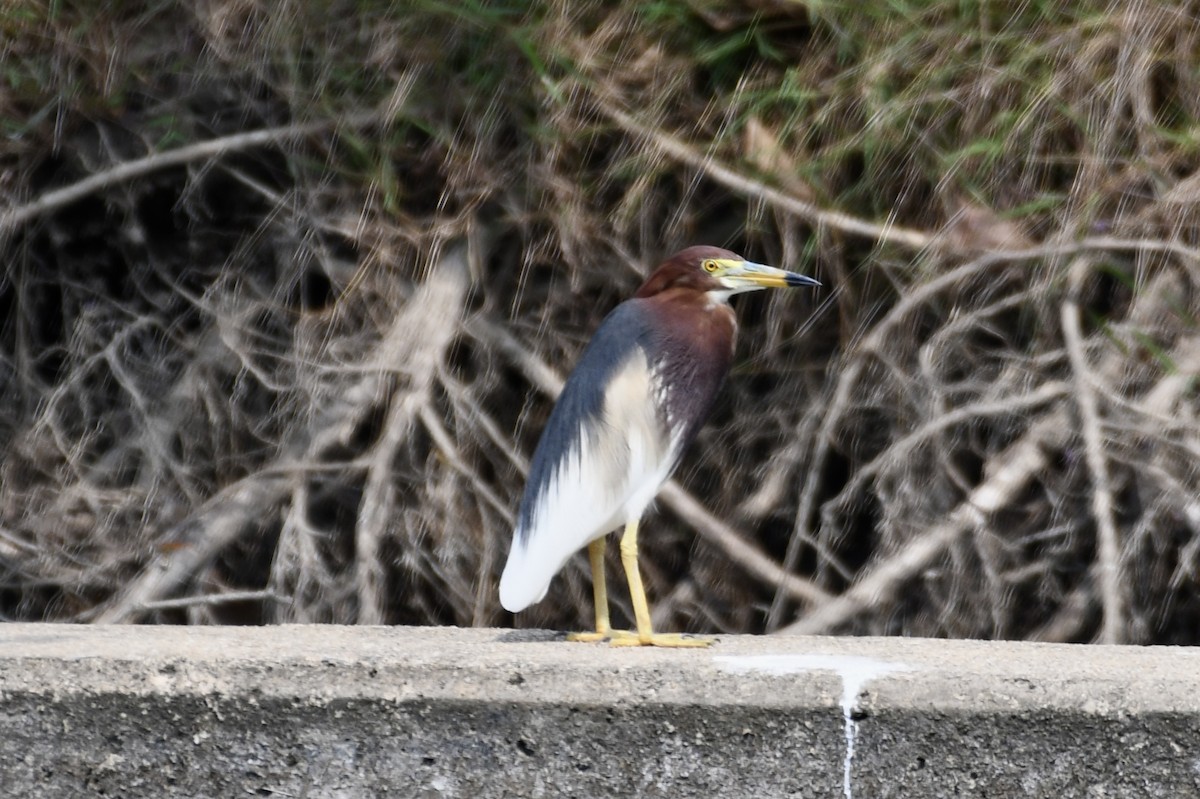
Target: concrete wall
x,y
358,712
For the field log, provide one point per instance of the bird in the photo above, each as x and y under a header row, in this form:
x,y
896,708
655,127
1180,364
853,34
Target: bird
x,y
636,398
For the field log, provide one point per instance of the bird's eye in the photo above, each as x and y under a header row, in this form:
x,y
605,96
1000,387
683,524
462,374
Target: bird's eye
x,y
709,265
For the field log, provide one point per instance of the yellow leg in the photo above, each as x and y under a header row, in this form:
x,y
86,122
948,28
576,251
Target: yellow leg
x,y
641,611
604,630
599,596
599,586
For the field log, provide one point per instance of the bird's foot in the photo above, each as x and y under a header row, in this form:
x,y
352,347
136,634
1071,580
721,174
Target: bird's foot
x,y
675,640
607,635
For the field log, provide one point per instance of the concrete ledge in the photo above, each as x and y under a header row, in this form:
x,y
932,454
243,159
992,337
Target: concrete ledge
x,y
348,712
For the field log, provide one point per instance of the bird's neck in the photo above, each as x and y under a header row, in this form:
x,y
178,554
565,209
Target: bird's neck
x,y
694,326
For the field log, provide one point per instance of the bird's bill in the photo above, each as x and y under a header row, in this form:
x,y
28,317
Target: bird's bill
x,y
747,276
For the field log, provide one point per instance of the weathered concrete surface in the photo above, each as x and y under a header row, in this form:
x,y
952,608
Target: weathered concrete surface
x,y
349,712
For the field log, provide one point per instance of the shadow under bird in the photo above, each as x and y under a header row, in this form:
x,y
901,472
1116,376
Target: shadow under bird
x,y
642,388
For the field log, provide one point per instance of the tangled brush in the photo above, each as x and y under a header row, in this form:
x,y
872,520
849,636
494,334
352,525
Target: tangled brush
x,y
287,295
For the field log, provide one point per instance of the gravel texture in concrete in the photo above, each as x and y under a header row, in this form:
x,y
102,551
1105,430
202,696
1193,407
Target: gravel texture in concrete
x,y
323,711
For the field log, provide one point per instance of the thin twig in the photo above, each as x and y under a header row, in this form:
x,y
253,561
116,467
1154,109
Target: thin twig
x,y
681,151
836,410
1109,550
206,532
449,450
1072,615
734,544
426,329
898,450
17,216
1009,471
767,496
909,238
215,525
1016,467
210,600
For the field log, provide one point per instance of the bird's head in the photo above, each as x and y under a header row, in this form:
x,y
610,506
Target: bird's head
x,y
718,273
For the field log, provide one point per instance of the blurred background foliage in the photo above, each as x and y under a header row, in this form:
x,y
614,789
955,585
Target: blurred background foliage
x,y
285,285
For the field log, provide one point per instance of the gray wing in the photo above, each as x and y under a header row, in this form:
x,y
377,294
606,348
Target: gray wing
x,y
604,441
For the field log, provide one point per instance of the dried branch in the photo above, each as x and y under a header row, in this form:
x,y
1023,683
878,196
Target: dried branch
x,y
736,547
214,526
51,201
771,491
213,599
903,447
909,238
1010,471
1112,592
420,337
194,542
681,151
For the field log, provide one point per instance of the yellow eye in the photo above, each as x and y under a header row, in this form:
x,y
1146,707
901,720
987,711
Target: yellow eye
x,y
709,265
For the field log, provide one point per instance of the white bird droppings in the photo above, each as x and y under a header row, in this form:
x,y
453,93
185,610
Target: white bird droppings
x,y
855,672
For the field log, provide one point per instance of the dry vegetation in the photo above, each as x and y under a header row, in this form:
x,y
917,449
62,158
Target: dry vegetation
x,y
287,289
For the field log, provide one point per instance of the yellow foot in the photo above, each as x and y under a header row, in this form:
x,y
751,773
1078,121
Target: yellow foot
x,y
661,639
591,638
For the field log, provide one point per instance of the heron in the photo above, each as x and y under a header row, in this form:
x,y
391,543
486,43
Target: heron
x,y
642,388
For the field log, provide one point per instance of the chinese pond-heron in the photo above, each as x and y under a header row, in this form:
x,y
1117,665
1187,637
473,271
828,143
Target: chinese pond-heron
x,y
641,390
